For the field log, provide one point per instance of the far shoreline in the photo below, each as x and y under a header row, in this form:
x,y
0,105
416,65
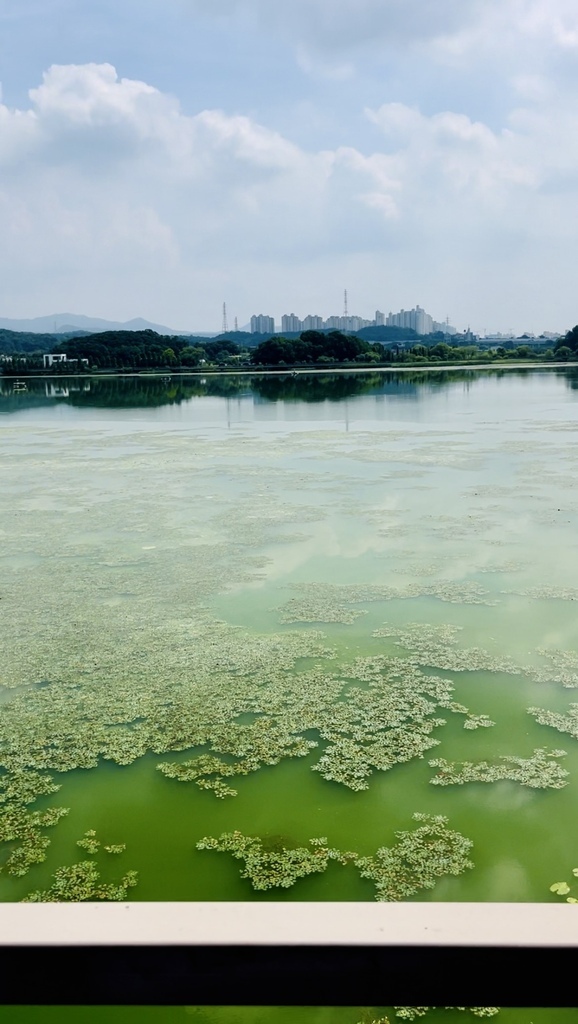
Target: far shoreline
x,y
293,370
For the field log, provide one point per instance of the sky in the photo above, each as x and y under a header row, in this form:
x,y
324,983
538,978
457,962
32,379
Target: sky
x,y
161,157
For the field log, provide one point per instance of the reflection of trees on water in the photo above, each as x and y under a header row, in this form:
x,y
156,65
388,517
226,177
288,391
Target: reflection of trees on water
x,y
408,384
118,392
136,392
314,387
571,377
142,392
17,402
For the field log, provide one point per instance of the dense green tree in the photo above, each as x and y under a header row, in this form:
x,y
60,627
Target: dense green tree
x,y
221,348
274,351
571,339
442,350
192,355
314,347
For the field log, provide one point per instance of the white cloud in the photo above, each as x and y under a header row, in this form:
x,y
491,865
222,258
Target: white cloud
x,y
92,94
115,201
18,132
515,32
460,158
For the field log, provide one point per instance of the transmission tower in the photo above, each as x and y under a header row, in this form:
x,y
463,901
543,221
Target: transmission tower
x,y
345,313
236,324
225,324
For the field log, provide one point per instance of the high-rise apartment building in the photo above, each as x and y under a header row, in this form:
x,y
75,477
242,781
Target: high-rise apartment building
x,y
416,319
445,326
291,323
353,323
313,323
262,324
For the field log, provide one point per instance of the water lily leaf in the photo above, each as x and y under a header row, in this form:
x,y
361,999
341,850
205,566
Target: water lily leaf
x,y
560,887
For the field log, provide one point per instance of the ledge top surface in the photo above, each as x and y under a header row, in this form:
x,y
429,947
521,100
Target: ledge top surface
x,y
323,924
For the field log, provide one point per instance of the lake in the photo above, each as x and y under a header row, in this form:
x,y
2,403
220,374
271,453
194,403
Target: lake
x,y
243,613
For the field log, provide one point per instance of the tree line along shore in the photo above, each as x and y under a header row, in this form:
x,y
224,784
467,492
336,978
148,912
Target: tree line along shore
x,y
147,350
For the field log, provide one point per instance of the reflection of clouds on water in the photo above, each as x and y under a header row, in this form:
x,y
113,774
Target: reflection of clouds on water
x,y
324,540
562,635
504,797
508,881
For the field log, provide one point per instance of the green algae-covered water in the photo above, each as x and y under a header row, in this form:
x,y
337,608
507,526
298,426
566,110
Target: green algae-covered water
x,y
252,626
280,1015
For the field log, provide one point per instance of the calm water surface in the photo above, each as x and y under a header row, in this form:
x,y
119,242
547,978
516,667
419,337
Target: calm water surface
x,y
169,546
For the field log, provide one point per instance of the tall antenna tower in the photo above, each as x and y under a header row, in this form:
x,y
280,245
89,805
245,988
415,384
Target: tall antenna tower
x,y
225,324
236,324
345,313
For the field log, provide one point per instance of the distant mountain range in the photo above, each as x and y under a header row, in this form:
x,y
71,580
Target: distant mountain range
x,y
63,323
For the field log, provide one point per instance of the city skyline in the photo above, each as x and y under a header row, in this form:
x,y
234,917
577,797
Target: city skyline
x,y
416,319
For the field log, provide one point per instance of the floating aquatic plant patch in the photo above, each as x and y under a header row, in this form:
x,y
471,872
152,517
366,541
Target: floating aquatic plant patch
x,y
563,667
365,729
541,771
562,888
437,646
215,675
318,610
547,593
333,598
280,867
262,743
415,1012
80,883
89,842
478,722
567,723
374,1020
417,861
24,844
